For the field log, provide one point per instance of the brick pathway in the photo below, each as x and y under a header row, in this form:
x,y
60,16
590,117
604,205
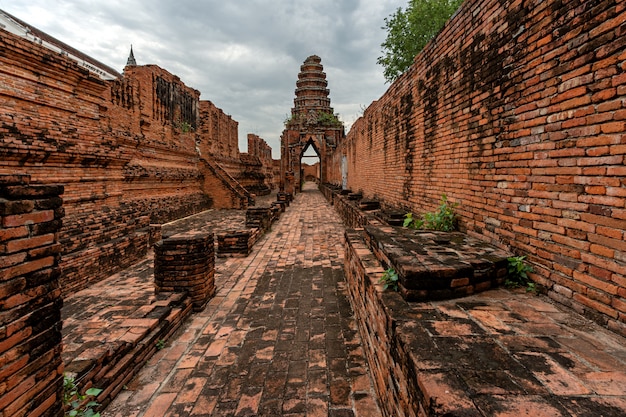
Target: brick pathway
x,y
278,339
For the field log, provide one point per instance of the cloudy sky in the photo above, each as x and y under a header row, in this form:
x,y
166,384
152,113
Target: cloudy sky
x,y
243,55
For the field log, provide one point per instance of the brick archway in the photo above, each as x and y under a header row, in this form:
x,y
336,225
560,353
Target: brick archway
x,y
312,123
307,170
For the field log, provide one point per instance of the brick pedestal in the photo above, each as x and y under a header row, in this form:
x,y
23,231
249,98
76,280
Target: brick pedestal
x,y
237,243
276,211
284,197
186,263
433,265
260,217
282,205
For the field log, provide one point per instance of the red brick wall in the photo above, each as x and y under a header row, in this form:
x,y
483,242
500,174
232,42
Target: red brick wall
x,y
218,141
218,132
31,380
225,191
311,172
124,150
276,174
516,112
259,148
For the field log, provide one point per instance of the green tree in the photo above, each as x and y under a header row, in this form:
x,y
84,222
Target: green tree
x,y
408,31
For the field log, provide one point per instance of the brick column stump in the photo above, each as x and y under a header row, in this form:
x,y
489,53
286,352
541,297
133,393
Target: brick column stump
x,y
276,211
282,205
185,262
284,197
260,217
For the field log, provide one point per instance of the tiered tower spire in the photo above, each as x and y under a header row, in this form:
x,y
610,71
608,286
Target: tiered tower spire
x,y
311,93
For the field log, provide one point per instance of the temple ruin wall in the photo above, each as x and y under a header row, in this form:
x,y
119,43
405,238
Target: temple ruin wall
x,y
515,111
127,151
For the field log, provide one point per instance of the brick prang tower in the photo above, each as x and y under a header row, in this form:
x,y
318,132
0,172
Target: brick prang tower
x,y
312,123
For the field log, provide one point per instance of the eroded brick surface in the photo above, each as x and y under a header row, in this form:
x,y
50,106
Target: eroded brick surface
x,y
497,353
30,300
111,329
433,265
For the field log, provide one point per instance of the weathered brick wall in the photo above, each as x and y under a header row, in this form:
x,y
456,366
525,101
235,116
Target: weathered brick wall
x,y
516,112
124,150
31,380
311,172
218,132
225,190
394,378
276,174
251,173
218,141
259,148
349,212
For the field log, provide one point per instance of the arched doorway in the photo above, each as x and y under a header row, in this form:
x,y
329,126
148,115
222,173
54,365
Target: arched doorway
x,y
310,164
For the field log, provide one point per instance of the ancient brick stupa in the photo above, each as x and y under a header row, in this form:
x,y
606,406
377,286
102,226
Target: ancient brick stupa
x,y
312,123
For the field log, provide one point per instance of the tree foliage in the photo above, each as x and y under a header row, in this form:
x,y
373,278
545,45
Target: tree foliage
x,y
408,32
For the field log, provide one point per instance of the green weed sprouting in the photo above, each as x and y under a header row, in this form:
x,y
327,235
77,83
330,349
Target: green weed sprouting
x,y
75,403
390,279
517,274
444,219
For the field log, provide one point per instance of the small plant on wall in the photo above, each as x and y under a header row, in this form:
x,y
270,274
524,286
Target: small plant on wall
x,y
444,219
413,222
77,404
292,119
518,271
389,279
184,126
328,119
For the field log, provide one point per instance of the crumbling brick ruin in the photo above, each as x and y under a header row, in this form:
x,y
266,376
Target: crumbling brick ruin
x,y
137,150
257,147
515,111
113,156
218,142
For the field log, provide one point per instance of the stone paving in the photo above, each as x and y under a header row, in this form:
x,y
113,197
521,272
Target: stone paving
x,y
278,339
